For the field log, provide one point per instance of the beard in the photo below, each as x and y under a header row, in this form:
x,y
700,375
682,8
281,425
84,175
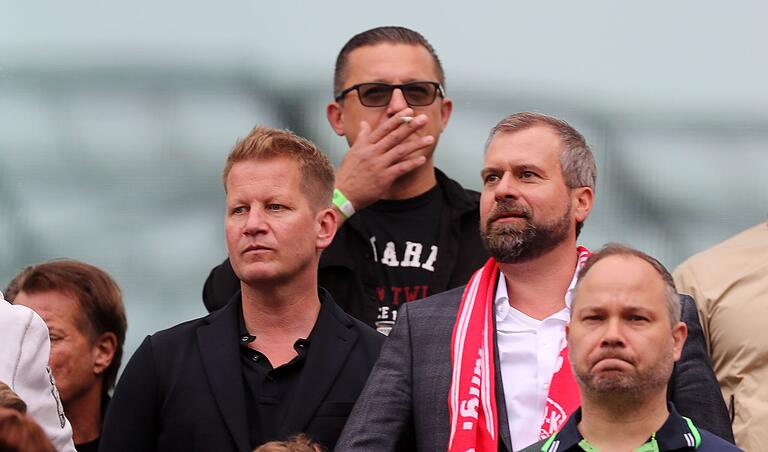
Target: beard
x,y
626,386
509,243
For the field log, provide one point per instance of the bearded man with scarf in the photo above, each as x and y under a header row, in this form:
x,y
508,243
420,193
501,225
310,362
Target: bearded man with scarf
x,y
485,367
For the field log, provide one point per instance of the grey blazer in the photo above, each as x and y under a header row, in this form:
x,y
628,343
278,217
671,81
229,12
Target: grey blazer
x,y
404,405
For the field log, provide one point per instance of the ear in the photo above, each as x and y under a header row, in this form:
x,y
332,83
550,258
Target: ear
x,y
334,114
327,222
679,335
103,352
446,108
582,201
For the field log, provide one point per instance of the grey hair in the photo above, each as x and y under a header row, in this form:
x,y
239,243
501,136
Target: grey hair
x,y
576,160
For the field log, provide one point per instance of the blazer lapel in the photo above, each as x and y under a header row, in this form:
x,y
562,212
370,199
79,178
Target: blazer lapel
x,y
220,355
331,342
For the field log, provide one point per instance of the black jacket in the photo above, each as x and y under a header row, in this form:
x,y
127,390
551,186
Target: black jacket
x,y
347,268
183,388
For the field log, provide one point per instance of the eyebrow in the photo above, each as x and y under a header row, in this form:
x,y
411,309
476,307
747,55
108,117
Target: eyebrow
x,y
513,167
629,309
639,309
488,169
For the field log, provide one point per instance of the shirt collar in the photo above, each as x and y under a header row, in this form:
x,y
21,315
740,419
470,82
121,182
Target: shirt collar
x,y
244,337
676,433
501,302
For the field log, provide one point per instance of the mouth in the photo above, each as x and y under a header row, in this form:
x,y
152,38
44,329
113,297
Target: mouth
x,y
506,210
509,216
611,364
256,249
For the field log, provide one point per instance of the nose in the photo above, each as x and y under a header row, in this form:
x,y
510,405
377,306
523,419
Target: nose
x,y
613,335
397,102
506,188
255,223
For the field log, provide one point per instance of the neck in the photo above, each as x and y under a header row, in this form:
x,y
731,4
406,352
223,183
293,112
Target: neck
x,y
286,310
414,183
84,413
622,423
537,287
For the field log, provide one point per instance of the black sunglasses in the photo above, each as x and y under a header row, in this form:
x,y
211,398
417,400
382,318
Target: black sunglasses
x,y
416,94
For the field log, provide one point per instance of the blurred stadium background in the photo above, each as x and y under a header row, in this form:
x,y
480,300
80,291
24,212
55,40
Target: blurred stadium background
x,y
116,118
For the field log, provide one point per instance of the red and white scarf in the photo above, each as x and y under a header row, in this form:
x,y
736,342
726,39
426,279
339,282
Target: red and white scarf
x,y
472,397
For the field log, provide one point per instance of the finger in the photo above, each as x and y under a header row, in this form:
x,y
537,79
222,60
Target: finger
x,y
386,127
399,135
407,148
404,167
365,130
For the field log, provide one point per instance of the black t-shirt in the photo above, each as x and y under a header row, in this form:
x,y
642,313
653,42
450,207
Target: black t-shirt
x,y
404,236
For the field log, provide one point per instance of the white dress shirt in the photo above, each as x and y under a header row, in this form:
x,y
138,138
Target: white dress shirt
x,y
528,350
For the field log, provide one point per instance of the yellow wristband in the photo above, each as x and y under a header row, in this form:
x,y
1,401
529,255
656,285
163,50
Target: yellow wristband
x,y
342,203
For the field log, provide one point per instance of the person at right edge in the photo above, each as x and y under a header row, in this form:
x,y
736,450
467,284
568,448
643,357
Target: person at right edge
x,y
624,337
409,231
730,285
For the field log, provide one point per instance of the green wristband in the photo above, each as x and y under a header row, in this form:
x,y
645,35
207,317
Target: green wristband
x,y
342,203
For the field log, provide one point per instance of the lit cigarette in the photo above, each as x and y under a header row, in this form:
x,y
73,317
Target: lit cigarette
x,y
406,119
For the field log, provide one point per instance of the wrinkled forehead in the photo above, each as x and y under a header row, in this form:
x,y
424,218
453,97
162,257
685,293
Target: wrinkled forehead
x,y
538,146
57,306
617,281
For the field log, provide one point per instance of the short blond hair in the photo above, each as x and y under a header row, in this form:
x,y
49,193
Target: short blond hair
x,y
264,143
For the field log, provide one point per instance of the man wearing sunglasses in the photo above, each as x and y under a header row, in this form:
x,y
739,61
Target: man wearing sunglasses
x,y
409,230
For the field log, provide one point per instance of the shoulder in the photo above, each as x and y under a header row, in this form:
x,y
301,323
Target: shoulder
x,y
731,258
436,309
437,301
220,285
713,443
457,196
365,333
183,332
348,246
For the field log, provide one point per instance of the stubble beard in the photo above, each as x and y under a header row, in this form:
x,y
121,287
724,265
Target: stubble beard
x,y
508,243
626,388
